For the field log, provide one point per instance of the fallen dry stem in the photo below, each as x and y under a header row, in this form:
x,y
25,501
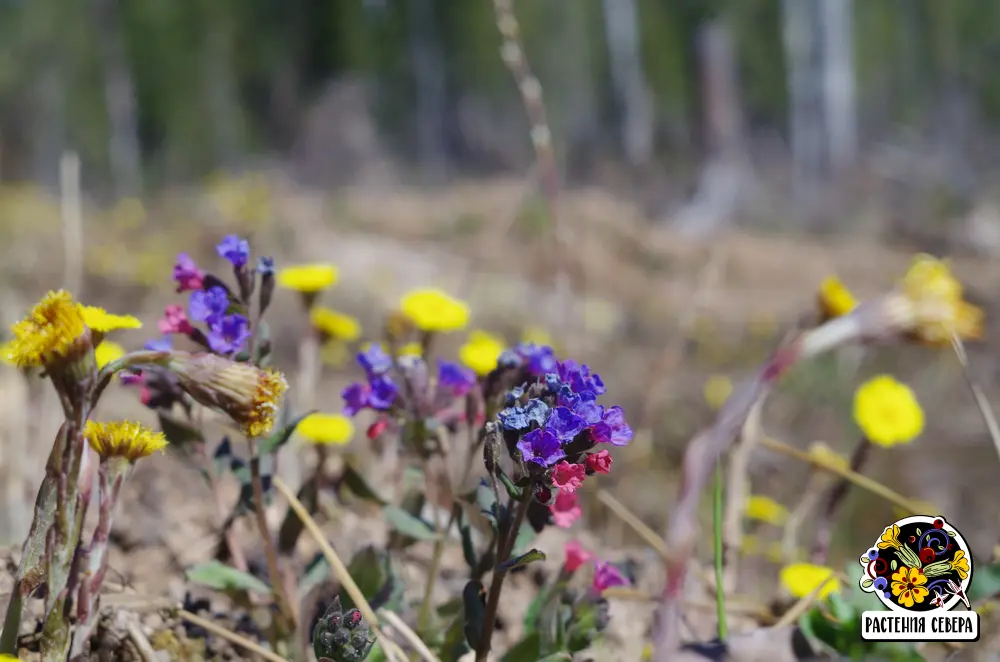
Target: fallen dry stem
x,y
341,573
229,635
737,492
862,481
984,405
648,535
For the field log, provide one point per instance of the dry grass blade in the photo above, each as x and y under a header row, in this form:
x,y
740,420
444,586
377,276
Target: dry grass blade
x,y
408,634
647,534
984,405
230,636
340,571
865,483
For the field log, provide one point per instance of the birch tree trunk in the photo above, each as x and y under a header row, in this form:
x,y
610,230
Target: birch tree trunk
x,y
621,24
806,127
838,84
429,75
124,151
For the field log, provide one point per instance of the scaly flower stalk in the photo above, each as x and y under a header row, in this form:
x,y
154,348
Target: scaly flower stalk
x,y
120,445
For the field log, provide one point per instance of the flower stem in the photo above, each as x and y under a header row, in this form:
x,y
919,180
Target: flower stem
x,y
824,530
505,545
720,588
274,572
423,620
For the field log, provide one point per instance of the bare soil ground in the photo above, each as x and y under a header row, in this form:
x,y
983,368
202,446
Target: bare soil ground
x,y
653,312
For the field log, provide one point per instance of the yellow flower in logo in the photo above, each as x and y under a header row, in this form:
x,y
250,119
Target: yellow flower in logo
x,y
908,586
960,564
889,538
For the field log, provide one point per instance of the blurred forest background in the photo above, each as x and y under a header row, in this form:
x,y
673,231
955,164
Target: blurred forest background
x,y
705,111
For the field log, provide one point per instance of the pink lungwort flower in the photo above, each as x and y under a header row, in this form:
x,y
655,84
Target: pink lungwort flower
x,y
566,509
568,477
187,275
175,320
607,576
576,556
599,462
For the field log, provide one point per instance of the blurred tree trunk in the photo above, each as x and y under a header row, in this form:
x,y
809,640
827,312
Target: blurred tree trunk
x,y
836,20
48,125
124,150
725,174
621,21
802,56
221,90
428,63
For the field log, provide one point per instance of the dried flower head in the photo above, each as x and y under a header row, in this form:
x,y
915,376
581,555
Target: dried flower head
x,y
433,310
932,307
248,394
101,321
54,331
126,439
308,278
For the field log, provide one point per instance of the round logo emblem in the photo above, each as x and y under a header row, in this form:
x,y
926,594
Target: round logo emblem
x,y
918,564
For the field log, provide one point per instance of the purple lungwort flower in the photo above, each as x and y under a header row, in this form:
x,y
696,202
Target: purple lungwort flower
x,y
587,408
234,249
580,378
208,306
564,424
542,447
612,429
538,359
378,395
229,334
159,344
606,575
455,379
375,361
187,275
521,418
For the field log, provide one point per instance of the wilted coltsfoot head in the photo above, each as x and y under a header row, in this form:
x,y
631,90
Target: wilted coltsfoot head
x,y
248,394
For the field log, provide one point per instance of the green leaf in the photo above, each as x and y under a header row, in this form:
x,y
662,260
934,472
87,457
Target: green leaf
x,y
316,573
222,577
177,431
487,503
282,435
842,611
373,572
524,559
475,612
529,649
513,491
867,583
356,483
292,526
408,525
525,536
893,565
987,582
468,548
561,656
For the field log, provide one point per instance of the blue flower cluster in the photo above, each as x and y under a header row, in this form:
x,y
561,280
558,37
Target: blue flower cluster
x,y
560,409
379,391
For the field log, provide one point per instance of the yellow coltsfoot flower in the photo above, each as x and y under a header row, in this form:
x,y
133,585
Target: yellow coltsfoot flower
x,y
107,352
53,331
801,579
834,298
101,321
765,509
335,324
308,278
717,390
248,394
481,351
887,411
127,439
434,311
930,305
326,429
